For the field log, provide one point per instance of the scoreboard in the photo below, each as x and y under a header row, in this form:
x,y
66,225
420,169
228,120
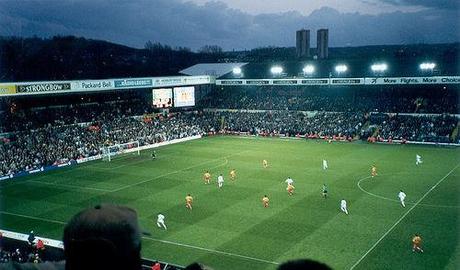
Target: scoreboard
x,y
184,96
162,98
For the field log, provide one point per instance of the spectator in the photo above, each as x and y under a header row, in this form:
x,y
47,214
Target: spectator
x,y
303,264
156,266
197,266
17,256
103,237
40,246
31,238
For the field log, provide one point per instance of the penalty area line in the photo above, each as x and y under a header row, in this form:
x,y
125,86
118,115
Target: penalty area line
x,y
402,217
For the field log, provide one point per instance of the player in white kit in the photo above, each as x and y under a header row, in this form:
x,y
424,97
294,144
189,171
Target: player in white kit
x,y
343,206
161,221
324,164
402,197
220,181
418,159
289,181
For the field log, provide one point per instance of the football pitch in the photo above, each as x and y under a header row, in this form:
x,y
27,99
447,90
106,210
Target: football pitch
x,y
229,228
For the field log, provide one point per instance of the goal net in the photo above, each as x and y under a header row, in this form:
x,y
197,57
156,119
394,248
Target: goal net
x,y
111,151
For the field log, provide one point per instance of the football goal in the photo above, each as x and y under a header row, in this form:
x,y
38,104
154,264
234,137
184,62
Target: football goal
x,y
111,151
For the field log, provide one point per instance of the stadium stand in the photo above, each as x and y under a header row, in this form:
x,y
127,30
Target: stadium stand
x,y
425,99
32,149
419,128
290,123
43,131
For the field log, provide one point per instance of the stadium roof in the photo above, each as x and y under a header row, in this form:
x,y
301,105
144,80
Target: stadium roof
x,y
211,69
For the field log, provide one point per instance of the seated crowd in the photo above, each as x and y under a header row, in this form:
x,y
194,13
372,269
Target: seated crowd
x,y
30,150
19,256
52,145
33,251
334,100
418,128
290,123
19,116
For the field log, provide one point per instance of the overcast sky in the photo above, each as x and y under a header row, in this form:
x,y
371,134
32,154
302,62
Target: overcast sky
x,y
235,24
305,7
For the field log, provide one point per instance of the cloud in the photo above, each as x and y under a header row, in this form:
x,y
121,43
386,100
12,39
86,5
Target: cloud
x,y
438,4
179,23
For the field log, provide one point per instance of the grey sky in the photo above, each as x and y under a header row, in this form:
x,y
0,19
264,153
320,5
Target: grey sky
x,y
234,24
305,7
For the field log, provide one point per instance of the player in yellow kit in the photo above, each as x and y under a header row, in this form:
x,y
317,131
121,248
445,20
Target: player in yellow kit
x,y
188,201
265,201
233,174
373,171
207,177
265,163
290,189
416,243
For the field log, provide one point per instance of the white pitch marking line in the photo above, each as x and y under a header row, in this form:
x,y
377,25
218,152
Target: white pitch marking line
x,y
68,186
211,250
157,240
119,166
32,217
394,200
43,175
403,216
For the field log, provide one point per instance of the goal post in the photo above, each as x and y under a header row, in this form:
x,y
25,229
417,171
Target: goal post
x,y
111,151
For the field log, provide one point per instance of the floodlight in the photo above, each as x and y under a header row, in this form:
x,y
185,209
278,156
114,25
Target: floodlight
x,y
340,68
276,70
379,67
236,71
427,66
308,69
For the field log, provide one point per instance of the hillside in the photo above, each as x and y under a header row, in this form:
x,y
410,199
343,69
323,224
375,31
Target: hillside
x,y
70,58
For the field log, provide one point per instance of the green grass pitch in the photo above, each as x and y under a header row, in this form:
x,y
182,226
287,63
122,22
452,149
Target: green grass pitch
x,y
230,229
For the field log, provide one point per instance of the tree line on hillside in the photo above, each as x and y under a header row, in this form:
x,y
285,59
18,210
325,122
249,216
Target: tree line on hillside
x,y
70,58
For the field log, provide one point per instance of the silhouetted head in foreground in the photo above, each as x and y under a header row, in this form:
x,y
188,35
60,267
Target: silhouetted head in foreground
x,y
104,237
197,266
303,264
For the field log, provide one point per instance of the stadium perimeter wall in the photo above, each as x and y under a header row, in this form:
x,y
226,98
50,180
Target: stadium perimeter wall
x,y
313,113
335,139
